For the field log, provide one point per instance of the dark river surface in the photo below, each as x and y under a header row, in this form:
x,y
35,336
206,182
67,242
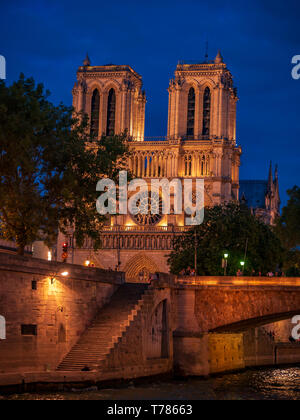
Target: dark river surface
x,y
264,384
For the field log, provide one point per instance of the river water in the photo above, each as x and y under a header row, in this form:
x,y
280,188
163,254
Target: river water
x,y
264,384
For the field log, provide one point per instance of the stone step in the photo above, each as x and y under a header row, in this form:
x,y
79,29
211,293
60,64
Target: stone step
x,y
96,343
78,364
107,328
81,359
85,362
83,354
81,362
91,350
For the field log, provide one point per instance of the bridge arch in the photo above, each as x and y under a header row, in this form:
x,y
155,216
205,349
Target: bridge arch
x,y
225,309
158,325
244,325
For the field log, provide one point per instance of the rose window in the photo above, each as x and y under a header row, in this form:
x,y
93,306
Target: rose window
x,y
149,209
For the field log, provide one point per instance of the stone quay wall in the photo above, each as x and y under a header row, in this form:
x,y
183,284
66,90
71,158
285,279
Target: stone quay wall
x,y
195,327
45,312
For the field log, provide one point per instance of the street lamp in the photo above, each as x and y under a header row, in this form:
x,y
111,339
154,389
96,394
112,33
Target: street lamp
x,y
245,256
225,263
243,266
64,273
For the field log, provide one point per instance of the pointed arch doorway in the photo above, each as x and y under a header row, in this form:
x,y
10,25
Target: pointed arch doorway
x,y
138,269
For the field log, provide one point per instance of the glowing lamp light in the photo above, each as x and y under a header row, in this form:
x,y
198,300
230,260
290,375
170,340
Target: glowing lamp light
x,y
87,263
242,263
64,273
49,256
226,256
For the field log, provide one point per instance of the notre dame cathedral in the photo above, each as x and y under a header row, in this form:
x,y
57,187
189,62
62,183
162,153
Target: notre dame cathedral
x,y
200,143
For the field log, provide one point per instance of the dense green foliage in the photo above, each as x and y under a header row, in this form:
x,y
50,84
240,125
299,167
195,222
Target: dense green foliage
x,y
291,265
288,230
288,225
48,175
228,228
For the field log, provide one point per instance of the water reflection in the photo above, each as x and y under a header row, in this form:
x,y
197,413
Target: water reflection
x,y
266,384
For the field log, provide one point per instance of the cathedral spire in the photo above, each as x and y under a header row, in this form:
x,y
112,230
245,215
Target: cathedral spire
x,y
87,61
276,173
270,179
270,190
277,193
219,58
276,182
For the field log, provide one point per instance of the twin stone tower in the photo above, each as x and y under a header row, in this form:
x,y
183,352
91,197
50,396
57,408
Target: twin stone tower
x,y
200,143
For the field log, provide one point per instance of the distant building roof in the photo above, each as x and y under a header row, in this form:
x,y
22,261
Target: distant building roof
x,y
254,192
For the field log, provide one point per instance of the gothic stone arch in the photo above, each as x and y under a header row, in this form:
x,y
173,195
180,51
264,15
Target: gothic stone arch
x,y
157,325
139,267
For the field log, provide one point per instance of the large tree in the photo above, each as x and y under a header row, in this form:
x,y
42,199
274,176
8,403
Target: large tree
x,y
49,167
288,230
288,225
291,265
229,228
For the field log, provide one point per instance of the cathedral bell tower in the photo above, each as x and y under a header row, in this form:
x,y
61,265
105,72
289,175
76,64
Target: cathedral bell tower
x,y
202,102
112,97
202,118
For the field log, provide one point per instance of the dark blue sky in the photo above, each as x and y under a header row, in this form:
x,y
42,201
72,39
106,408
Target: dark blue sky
x,y
49,39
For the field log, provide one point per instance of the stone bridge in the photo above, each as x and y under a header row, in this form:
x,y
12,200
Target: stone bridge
x,y
217,320
232,304
196,325
57,326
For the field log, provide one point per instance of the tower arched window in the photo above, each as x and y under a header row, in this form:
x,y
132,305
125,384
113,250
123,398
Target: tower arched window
x,y
111,113
188,165
202,166
95,108
206,112
191,114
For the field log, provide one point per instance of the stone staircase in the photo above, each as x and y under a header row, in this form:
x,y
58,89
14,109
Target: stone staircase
x,y
107,329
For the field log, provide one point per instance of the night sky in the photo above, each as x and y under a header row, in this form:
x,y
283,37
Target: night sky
x,y
49,40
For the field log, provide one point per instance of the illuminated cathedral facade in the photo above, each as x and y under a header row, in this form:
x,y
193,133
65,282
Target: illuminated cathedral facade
x,y
200,143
